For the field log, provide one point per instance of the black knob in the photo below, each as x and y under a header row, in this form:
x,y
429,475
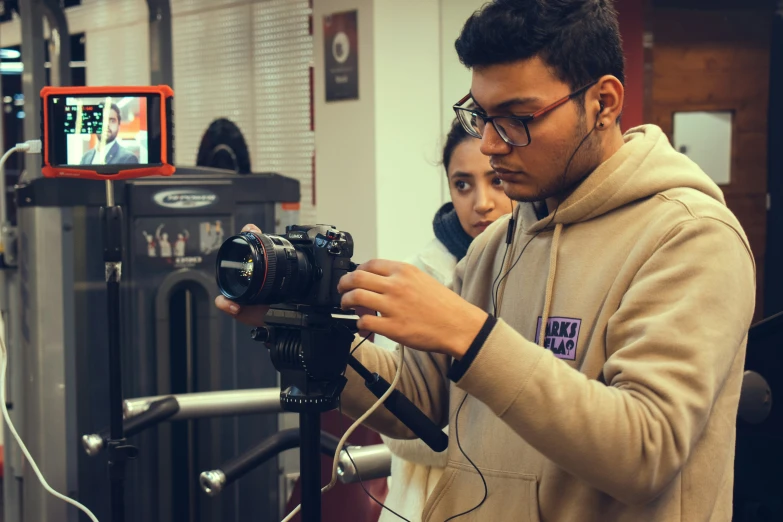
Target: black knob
x,y
261,334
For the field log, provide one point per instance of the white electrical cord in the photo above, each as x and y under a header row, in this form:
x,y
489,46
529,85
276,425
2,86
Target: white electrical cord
x,y
7,155
3,368
353,427
3,216
30,147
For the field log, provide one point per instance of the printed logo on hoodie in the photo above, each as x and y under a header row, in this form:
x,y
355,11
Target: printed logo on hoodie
x,y
562,336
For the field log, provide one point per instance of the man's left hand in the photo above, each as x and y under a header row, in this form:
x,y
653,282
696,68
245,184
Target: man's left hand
x,y
416,310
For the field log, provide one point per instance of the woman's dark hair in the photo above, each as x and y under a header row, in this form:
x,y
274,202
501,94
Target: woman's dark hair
x,y
457,134
579,39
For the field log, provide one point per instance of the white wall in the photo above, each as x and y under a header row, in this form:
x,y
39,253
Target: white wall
x,y
376,157
345,137
455,77
407,130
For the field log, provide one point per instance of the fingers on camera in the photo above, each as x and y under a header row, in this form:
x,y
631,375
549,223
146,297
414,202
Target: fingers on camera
x,y
251,228
227,306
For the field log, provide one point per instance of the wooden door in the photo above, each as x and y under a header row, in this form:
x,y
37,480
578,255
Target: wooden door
x,y
718,60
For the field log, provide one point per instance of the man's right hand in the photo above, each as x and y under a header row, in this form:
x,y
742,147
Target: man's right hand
x,y
251,315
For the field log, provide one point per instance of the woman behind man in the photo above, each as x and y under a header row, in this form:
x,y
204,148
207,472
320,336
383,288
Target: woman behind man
x,y
477,199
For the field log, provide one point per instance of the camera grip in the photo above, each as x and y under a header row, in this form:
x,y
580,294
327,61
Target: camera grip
x,y
409,414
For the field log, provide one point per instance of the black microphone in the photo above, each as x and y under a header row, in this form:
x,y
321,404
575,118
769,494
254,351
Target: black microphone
x,y
403,409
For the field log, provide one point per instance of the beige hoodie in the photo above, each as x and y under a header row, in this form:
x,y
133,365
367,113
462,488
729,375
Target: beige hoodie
x,y
645,279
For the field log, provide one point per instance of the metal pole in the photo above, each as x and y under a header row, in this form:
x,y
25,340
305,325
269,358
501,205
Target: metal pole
x,y
310,462
119,451
59,44
34,75
213,404
46,349
364,463
109,193
161,69
9,301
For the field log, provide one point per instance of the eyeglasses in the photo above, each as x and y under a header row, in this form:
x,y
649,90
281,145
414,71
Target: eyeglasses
x,y
513,129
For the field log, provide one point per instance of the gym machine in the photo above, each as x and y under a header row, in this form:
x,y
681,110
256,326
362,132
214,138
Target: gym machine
x,y
174,340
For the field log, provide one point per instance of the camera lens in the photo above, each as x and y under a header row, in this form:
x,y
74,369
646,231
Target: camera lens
x,y
238,262
260,269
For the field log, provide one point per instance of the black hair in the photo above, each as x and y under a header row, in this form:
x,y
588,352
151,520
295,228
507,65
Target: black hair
x,y
116,108
457,134
578,39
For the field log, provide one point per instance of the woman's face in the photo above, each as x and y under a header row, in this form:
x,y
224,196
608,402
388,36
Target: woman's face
x,y
476,191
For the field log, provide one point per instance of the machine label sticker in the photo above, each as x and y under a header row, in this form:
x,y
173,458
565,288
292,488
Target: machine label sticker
x,y
187,261
161,244
185,198
562,336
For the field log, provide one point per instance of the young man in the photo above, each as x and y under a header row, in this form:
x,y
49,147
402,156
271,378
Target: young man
x,y
591,368
110,153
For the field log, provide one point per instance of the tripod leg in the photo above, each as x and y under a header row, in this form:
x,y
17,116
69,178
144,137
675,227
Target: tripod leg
x,y
310,465
117,437
115,368
117,492
118,451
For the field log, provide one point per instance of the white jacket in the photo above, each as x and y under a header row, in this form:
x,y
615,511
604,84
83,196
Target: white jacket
x,y
415,468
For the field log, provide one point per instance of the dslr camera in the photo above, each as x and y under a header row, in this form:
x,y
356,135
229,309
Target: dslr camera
x,y
301,267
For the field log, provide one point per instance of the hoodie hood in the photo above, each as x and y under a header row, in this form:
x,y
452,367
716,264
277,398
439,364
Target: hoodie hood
x,y
449,231
644,166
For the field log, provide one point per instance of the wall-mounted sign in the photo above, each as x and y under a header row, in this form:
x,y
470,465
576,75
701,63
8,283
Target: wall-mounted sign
x,y
341,51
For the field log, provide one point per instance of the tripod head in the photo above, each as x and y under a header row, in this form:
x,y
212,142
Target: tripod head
x,y
310,348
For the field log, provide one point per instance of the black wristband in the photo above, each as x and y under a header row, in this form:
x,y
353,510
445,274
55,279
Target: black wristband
x,y
458,368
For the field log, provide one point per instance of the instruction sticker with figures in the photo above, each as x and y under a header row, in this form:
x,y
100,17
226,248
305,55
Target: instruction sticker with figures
x,y
171,242
211,236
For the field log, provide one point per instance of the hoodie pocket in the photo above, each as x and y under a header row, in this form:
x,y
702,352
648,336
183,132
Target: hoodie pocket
x,y
511,497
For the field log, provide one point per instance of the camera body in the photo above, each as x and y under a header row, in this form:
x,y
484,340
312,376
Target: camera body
x,y
301,267
330,251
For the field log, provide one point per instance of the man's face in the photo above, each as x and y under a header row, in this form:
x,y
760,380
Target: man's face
x,y
113,127
538,171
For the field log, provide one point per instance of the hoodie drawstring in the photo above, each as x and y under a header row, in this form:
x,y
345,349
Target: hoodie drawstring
x,y
550,283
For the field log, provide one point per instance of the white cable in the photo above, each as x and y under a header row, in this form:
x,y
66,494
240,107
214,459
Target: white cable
x,y
353,427
7,155
29,147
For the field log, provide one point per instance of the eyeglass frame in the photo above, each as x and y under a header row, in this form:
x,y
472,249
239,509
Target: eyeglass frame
x,y
524,120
